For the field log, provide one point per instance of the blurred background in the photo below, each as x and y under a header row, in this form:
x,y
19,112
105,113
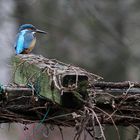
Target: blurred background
x,y
101,36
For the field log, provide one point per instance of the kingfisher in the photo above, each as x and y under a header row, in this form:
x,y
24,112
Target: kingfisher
x,y
26,38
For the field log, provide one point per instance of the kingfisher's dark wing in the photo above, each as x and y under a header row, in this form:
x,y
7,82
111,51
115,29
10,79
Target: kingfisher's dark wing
x,y
23,41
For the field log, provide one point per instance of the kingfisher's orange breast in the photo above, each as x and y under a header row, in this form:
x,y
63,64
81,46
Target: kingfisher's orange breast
x,y
32,45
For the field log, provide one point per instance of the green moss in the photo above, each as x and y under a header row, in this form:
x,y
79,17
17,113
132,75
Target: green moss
x,y
26,73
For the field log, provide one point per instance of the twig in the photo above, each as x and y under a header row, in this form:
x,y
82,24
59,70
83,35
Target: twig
x,y
101,129
116,85
60,129
116,128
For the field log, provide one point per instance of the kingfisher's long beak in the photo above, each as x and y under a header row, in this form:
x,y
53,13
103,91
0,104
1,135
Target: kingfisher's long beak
x,y
40,31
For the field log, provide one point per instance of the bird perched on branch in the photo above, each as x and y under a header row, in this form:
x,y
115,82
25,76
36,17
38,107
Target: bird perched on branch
x,y
26,39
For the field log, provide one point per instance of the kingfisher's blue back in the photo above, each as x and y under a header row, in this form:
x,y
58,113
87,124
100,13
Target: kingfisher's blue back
x,y
26,39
